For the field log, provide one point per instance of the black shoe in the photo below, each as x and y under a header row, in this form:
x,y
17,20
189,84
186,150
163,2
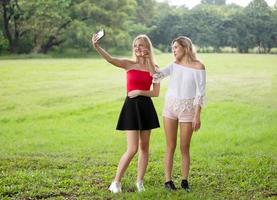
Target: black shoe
x,y
185,185
169,185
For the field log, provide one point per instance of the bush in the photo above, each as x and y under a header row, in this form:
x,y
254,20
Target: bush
x,y
273,51
206,50
228,50
3,43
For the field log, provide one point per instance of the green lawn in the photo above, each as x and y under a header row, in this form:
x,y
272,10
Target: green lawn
x,y
58,137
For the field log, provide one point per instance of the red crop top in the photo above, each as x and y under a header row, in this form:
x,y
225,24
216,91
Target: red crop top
x,y
138,80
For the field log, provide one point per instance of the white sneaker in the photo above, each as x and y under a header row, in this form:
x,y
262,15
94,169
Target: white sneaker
x,y
140,186
115,187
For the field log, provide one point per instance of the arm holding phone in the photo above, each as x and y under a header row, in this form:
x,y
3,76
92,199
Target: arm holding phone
x,y
122,63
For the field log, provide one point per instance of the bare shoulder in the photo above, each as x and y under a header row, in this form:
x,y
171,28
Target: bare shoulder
x,y
130,64
198,65
127,63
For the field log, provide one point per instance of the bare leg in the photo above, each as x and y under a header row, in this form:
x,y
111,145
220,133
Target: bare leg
x,y
185,138
170,127
144,138
132,147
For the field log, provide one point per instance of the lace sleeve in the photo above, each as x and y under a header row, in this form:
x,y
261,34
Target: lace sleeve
x,y
157,77
200,80
199,100
161,74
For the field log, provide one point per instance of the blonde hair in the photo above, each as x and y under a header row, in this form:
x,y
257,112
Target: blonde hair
x,y
148,45
189,49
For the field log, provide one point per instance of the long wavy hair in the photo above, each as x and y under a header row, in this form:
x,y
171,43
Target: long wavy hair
x,y
189,49
147,43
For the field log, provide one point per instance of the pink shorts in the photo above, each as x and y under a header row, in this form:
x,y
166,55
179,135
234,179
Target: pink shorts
x,y
181,110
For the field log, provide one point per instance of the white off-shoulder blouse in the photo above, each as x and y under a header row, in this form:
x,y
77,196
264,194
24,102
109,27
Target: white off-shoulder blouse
x,y
186,84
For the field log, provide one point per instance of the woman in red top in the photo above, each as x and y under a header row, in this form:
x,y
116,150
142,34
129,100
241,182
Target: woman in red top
x,y
138,115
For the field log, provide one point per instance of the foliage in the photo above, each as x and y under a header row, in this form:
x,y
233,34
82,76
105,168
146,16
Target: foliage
x,y
42,26
261,24
214,2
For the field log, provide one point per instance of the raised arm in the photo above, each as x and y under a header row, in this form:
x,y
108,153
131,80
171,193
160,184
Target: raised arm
x,y
151,65
122,63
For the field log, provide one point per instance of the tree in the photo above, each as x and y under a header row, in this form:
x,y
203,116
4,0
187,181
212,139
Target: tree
x,y
145,11
244,37
88,16
273,19
260,24
11,19
229,27
214,2
166,26
204,23
45,21
40,26
45,24
141,21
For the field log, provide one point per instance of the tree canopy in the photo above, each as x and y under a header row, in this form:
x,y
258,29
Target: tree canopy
x,y
41,26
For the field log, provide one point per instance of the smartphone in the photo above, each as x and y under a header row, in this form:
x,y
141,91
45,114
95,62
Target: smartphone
x,y
100,34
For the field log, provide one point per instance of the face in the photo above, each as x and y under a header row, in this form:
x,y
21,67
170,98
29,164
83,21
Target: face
x,y
178,51
139,47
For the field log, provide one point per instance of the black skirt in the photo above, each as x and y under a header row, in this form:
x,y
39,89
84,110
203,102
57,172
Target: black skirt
x,y
138,114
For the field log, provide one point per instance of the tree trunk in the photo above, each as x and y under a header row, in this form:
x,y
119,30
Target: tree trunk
x,y
8,14
52,41
259,47
7,33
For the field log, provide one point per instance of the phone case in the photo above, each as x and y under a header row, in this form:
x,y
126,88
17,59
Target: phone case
x,y
100,34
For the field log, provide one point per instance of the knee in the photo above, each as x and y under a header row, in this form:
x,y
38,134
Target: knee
x,y
184,149
144,149
132,151
171,148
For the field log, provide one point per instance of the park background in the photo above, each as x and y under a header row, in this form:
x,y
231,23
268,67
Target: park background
x,y
59,101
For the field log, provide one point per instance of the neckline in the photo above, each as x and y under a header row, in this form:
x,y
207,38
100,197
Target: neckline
x,y
187,67
138,70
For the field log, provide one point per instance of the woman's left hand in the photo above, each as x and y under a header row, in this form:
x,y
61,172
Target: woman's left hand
x,y
133,93
196,123
145,53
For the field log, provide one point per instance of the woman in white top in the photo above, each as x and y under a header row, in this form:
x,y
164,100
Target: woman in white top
x,y
183,103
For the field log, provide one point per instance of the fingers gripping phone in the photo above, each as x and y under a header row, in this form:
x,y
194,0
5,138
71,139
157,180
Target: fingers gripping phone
x,y
100,34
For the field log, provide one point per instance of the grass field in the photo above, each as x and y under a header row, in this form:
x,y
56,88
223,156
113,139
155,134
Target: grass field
x,y
58,137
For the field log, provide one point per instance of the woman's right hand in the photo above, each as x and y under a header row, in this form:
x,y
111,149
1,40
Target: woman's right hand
x,y
94,41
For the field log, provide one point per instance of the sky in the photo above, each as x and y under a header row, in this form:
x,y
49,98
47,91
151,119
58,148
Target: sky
x,y
191,3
